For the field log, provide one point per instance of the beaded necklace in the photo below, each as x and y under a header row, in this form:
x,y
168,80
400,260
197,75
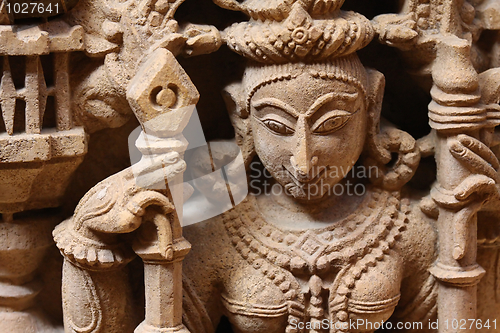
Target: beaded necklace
x,y
354,243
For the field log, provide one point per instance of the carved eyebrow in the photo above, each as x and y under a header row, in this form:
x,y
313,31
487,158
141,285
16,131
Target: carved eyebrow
x,y
277,104
328,98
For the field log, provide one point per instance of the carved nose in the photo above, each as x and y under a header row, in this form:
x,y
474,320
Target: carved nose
x,y
301,160
301,168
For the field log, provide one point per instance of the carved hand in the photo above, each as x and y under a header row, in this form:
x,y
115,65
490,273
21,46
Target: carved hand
x,y
396,30
480,161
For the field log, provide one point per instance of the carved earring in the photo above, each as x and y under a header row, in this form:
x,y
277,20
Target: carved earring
x,y
400,160
393,153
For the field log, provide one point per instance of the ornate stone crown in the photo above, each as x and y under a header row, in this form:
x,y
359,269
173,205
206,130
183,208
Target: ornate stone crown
x,y
284,31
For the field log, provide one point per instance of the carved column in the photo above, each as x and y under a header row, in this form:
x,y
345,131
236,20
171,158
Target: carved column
x,y
163,98
163,268
439,40
455,111
39,150
24,242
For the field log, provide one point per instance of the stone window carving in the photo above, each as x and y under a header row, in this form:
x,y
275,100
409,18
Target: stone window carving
x,y
357,136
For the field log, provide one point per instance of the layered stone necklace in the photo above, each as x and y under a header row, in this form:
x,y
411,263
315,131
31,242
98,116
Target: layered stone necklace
x,y
351,245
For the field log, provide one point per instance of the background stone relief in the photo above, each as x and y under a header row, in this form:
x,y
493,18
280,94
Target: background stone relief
x,y
94,130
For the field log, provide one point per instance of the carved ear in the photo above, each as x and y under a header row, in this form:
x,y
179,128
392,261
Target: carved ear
x,y
234,98
376,82
376,85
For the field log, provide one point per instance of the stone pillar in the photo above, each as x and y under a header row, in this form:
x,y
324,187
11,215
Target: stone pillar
x,y
22,249
458,118
162,279
36,163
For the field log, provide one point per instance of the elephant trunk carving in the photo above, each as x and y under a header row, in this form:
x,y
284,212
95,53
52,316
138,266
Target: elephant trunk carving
x,y
133,211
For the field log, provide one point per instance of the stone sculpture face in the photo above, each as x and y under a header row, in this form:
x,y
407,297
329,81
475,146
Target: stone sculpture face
x,y
308,132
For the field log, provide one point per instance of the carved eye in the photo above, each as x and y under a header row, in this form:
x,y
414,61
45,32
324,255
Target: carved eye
x,y
278,127
332,124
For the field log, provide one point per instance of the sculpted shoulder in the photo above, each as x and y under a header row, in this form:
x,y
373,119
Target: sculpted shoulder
x,y
211,249
418,240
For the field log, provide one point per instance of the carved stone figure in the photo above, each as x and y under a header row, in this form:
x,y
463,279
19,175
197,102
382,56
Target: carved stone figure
x,y
315,251
333,236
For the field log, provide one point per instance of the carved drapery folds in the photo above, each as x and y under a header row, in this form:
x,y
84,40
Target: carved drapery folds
x,y
306,106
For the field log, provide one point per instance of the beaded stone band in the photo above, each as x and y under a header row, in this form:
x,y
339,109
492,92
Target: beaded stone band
x,y
347,69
